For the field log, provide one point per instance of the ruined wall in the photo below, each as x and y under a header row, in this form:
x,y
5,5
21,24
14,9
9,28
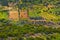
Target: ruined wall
x,y
13,15
23,14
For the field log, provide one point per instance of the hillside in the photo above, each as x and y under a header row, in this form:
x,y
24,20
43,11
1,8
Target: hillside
x,y
30,19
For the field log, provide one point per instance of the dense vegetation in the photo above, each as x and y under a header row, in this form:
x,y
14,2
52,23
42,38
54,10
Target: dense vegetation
x,y
49,10
12,30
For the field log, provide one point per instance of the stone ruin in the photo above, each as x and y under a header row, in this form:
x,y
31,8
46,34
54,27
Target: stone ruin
x,y
14,14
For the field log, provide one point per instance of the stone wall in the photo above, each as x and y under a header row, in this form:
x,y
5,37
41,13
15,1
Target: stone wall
x,y
13,15
23,14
